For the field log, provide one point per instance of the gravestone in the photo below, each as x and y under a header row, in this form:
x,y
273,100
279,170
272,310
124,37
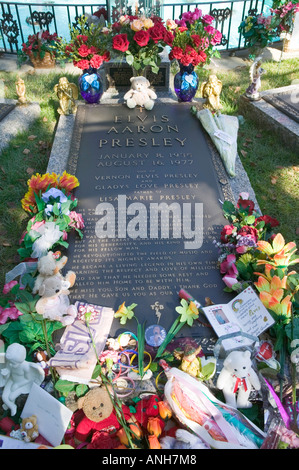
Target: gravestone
x,y
128,163
5,109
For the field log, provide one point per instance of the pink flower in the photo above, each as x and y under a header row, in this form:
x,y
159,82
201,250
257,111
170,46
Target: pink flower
x,y
96,61
7,288
76,220
229,281
11,312
37,225
208,19
226,232
82,64
228,266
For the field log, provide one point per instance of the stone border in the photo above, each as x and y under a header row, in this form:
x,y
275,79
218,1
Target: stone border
x,y
58,161
17,121
271,118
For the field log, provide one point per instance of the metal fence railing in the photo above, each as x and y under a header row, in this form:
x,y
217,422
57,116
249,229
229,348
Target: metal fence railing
x,y
19,20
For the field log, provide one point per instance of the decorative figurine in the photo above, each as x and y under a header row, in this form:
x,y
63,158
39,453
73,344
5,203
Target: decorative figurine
x,y
67,94
256,71
211,91
21,91
189,360
17,376
237,378
140,94
29,428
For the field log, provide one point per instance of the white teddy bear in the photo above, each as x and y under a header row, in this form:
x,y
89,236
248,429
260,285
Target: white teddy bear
x,y
140,94
237,378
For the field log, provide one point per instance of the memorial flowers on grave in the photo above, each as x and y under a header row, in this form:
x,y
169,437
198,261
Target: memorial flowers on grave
x,y
139,40
284,13
87,49
239,240
51,205
258,31
194,44
41,48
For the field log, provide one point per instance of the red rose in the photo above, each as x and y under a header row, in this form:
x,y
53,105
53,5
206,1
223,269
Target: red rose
x,y
83,50
203,56
156,32
268,220
96,61
168,37
142,38
82,38
120,42
82,64
245,204
106,56
186,59
226,232
249,232
177,52
93,50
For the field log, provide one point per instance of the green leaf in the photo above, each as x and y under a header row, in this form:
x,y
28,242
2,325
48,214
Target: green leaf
x,y
96,372
65,387
130,59
81,390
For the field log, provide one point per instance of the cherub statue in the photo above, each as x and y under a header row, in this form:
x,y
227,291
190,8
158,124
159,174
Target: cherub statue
x,y
211,90
67,94
256,71
17,375
21,91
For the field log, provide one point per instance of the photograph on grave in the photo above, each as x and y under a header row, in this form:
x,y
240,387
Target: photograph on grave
x,y
150,194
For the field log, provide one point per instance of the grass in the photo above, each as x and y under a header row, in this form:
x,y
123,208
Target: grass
x,y
272,168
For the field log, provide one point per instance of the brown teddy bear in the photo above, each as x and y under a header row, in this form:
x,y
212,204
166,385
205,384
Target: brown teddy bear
x,y
98,415
29,428
54,303
50,265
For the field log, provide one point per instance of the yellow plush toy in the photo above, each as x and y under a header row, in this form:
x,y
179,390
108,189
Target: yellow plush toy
x,y
29,429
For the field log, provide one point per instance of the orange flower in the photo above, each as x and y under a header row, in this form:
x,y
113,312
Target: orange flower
x,y
280,254
136,430
68,182
42,182
28,200
153,442
154,426
122,436
164,410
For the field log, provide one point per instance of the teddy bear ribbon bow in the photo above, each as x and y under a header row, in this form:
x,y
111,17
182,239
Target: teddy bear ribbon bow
x,y
238,383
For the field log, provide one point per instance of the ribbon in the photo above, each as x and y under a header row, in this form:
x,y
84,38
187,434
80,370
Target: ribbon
x,y
90,81
238,383
282,411
188,79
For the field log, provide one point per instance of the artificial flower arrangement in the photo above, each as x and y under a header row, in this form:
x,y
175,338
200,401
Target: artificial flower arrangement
x,y
51,205
194,38
284,13
39,45
139,40
87,48
258,30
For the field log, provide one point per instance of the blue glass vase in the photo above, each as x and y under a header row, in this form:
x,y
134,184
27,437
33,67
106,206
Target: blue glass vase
x,y
186,83
90,85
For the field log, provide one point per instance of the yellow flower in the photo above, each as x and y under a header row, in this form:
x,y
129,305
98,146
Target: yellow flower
x,y
125,313
137,25
148,23
248,27
279,253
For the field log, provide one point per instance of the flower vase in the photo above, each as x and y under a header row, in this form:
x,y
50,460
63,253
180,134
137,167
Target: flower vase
x,y
186,83
90,85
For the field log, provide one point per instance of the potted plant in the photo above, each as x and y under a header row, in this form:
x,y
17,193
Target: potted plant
x,y
258,31
41,49
284,13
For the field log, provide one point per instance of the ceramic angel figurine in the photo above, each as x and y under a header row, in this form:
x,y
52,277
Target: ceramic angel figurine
x,y
211,91
67,94
17,376
256,71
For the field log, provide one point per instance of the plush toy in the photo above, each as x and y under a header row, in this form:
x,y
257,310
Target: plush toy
x,y
54,303
29,428
237,378
183,440
98,415
140,94
48,266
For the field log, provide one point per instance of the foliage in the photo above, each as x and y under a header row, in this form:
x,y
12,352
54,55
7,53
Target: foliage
x,y
284,13
194,38
258,31
40,43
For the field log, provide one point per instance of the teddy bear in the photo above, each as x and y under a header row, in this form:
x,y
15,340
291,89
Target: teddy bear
x,y
54,303
29,428
140,94
98,415
237,378
50,265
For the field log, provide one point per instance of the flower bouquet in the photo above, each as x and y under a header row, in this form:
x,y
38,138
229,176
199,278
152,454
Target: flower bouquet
x,y
140,40
193,45
88,49
258,31
239,239
284,13
51,204
41,48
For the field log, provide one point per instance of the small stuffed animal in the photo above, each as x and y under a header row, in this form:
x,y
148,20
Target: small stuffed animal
x,y
48,266
54,303
29,429
237,378
140,94
99,414
183,440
